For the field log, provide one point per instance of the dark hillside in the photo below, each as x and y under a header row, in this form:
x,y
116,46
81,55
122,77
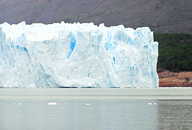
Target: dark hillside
x,y
164,16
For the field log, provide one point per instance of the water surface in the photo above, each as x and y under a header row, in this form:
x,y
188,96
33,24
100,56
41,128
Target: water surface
x,y
99,109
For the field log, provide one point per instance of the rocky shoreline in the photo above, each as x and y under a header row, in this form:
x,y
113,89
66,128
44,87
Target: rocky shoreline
x,y
174,79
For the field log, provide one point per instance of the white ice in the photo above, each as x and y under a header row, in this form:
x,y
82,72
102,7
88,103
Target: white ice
x,y
77,55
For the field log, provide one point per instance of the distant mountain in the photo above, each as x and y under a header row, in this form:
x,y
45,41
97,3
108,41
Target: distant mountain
x,y
165,16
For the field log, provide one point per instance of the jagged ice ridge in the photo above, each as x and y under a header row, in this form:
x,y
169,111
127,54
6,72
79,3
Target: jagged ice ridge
x,y
77,55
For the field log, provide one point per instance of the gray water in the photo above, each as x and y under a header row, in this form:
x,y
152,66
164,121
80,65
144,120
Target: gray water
x,y
89,109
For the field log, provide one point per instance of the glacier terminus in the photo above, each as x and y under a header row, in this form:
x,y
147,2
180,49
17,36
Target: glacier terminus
x,y
77,55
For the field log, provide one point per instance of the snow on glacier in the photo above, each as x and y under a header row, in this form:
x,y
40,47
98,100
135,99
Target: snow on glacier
x,y
77,55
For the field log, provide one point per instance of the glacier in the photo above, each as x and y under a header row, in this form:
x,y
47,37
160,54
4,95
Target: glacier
x,y
77,55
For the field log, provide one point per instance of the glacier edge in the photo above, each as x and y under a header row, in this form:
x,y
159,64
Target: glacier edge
x,y
77,55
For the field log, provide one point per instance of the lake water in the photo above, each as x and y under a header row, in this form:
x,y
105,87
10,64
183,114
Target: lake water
x,y
96,109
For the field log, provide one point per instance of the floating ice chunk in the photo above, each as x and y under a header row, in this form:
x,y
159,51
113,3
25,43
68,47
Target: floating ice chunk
x,y
52,103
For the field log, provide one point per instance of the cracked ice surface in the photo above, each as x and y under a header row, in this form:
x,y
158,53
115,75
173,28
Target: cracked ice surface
x,y
77,55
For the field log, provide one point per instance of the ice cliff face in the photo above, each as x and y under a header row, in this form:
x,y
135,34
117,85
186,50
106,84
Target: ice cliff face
x,y
77,55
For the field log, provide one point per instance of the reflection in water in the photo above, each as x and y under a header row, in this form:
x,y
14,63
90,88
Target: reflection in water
x,y
79,114
175,114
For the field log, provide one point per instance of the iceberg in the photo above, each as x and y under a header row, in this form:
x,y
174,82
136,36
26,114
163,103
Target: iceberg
x,y
77,55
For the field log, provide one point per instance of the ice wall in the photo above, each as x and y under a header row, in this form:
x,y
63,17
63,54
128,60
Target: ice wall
x,y
77,55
